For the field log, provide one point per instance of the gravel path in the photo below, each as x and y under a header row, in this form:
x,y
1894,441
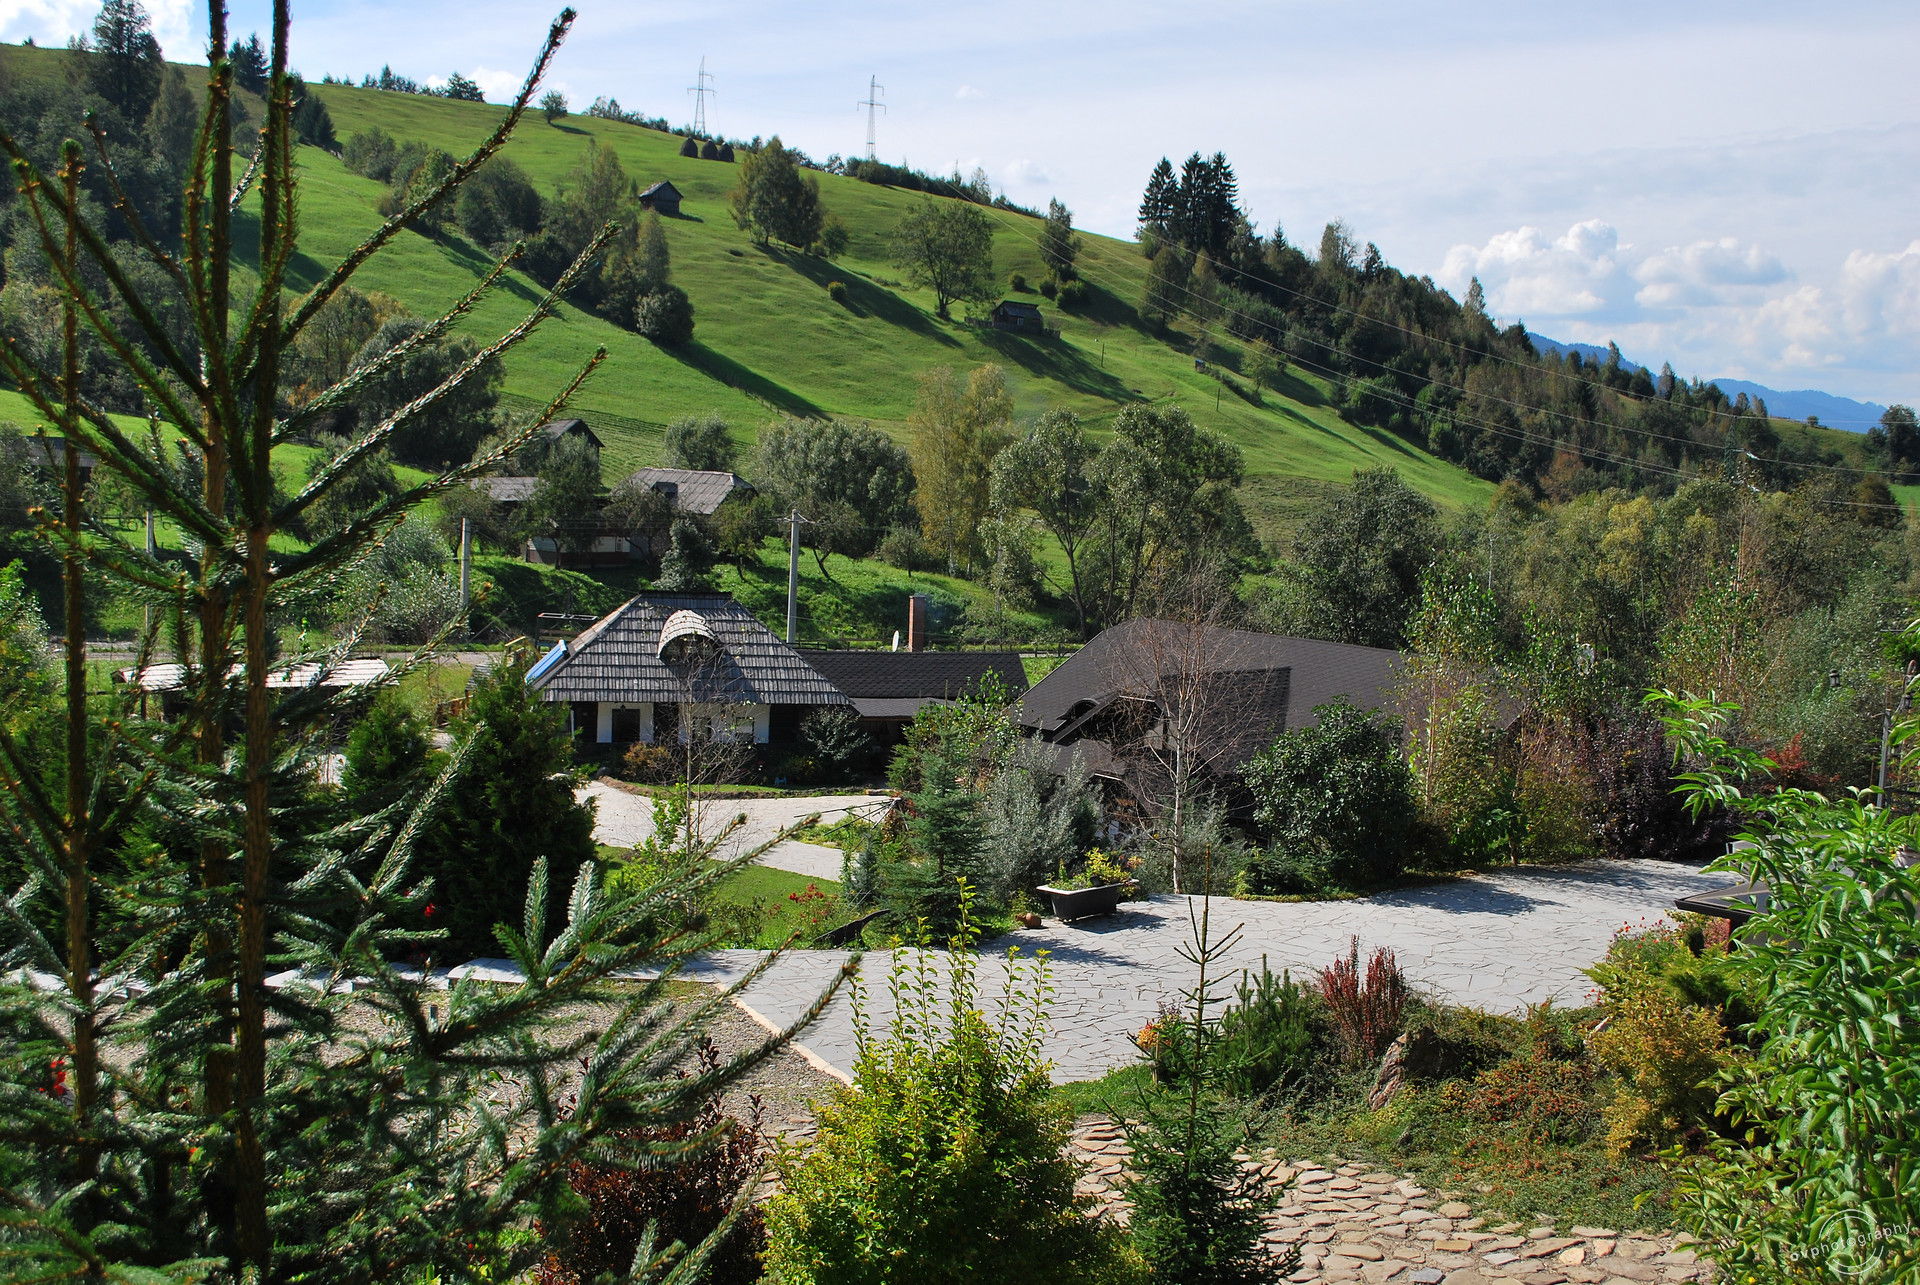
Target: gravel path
x,y
624,818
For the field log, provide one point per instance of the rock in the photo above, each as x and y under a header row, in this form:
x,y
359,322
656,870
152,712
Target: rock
x,y
1590,1232
1544,1248
1500,1257
1453,1246
1571,1257
1454,1209
1380,1179
1427,1276
1601,1248
1680,1257
1540,1233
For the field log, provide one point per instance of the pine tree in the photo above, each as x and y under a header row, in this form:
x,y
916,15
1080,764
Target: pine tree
x,y
249,64
126,68
462,89
384,1131
1157,206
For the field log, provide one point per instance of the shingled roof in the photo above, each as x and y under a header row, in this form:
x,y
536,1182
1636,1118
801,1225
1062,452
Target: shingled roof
x,y
692,490
1262,684
679,647
895,684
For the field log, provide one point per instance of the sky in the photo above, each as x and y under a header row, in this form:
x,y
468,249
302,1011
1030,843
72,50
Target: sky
x,y
1727,186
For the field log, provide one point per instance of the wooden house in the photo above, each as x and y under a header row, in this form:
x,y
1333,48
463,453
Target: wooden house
x,y
682,665
663,197
1015,315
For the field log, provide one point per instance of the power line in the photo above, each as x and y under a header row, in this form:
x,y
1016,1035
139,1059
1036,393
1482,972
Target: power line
x,y
1573,420
1512,433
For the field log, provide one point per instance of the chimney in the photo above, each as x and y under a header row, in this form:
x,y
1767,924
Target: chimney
x,y
917,622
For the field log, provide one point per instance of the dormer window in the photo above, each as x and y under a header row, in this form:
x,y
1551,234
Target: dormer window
x,y
687,639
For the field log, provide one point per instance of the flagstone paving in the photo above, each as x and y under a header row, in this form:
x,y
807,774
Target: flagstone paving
x,y
1497,941
1352,1223
623,818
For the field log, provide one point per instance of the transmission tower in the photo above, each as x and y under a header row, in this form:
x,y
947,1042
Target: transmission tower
x,y
872,103
700,89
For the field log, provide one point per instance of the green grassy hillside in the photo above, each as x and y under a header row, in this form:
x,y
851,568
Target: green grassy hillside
x,y
768,337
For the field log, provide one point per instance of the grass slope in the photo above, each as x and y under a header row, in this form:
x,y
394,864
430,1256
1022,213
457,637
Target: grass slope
x,y
768,337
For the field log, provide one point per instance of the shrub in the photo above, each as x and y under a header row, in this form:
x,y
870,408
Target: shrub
x,y
1167,1044
944,1163
1017,282
682,1181
1072,293
1049,287
1664,1053
1271,1037
664,315
1366,1014
833,739
837,291
1543,1098
650,764
1335,801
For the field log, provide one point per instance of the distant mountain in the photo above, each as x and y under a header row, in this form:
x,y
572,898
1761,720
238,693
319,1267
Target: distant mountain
x,y
1834,412
1799,403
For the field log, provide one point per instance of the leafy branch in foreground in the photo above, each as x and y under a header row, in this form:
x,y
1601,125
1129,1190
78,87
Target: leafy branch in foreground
x,y
1820,1183
213,1065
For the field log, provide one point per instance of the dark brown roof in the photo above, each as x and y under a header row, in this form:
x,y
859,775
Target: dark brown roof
x,y
922,675
1255,685
1019,307
658,188
51,450
719,653
559,428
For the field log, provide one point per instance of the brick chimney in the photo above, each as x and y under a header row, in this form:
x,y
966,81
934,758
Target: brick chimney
x,y
917,622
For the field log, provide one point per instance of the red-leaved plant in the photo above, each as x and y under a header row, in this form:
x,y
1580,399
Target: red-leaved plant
x,y
1366,1012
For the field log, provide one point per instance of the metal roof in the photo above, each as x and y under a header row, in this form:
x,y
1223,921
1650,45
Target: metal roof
x,y
347,673
619,658
692,490
1020,306
505,490
664,185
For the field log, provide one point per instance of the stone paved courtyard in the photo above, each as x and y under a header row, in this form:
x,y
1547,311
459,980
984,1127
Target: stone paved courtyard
x,y
1497,941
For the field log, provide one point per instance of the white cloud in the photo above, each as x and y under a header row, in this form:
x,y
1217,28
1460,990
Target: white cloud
x,y
1527,275
1026,172
498,86
1869,315
968,91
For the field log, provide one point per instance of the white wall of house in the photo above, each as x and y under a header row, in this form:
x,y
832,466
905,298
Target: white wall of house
x,y
717,719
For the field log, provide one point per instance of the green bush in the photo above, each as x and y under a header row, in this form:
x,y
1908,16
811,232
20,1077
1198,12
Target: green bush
x,y
1017,281
834,740
944,1163
1272,1038
1072,294
649,764
1335,802
837,291
1049,287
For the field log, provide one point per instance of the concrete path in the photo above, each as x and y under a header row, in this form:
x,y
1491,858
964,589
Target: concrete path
x,y
1497,941
623,819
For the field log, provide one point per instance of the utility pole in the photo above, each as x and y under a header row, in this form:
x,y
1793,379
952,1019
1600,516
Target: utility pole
x,y
793,571
700,89
872,103
466,563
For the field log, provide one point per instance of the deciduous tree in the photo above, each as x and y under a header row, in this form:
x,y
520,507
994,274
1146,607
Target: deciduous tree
x,y
947,246
957,430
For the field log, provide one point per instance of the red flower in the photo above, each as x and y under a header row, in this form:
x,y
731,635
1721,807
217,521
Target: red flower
x,y
431,910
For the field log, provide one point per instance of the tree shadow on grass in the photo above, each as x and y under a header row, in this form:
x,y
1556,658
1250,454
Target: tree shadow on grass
x,y
719,366
1052,358
864,298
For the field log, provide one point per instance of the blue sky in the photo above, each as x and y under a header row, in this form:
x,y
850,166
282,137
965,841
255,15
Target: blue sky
x,y
1729,186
